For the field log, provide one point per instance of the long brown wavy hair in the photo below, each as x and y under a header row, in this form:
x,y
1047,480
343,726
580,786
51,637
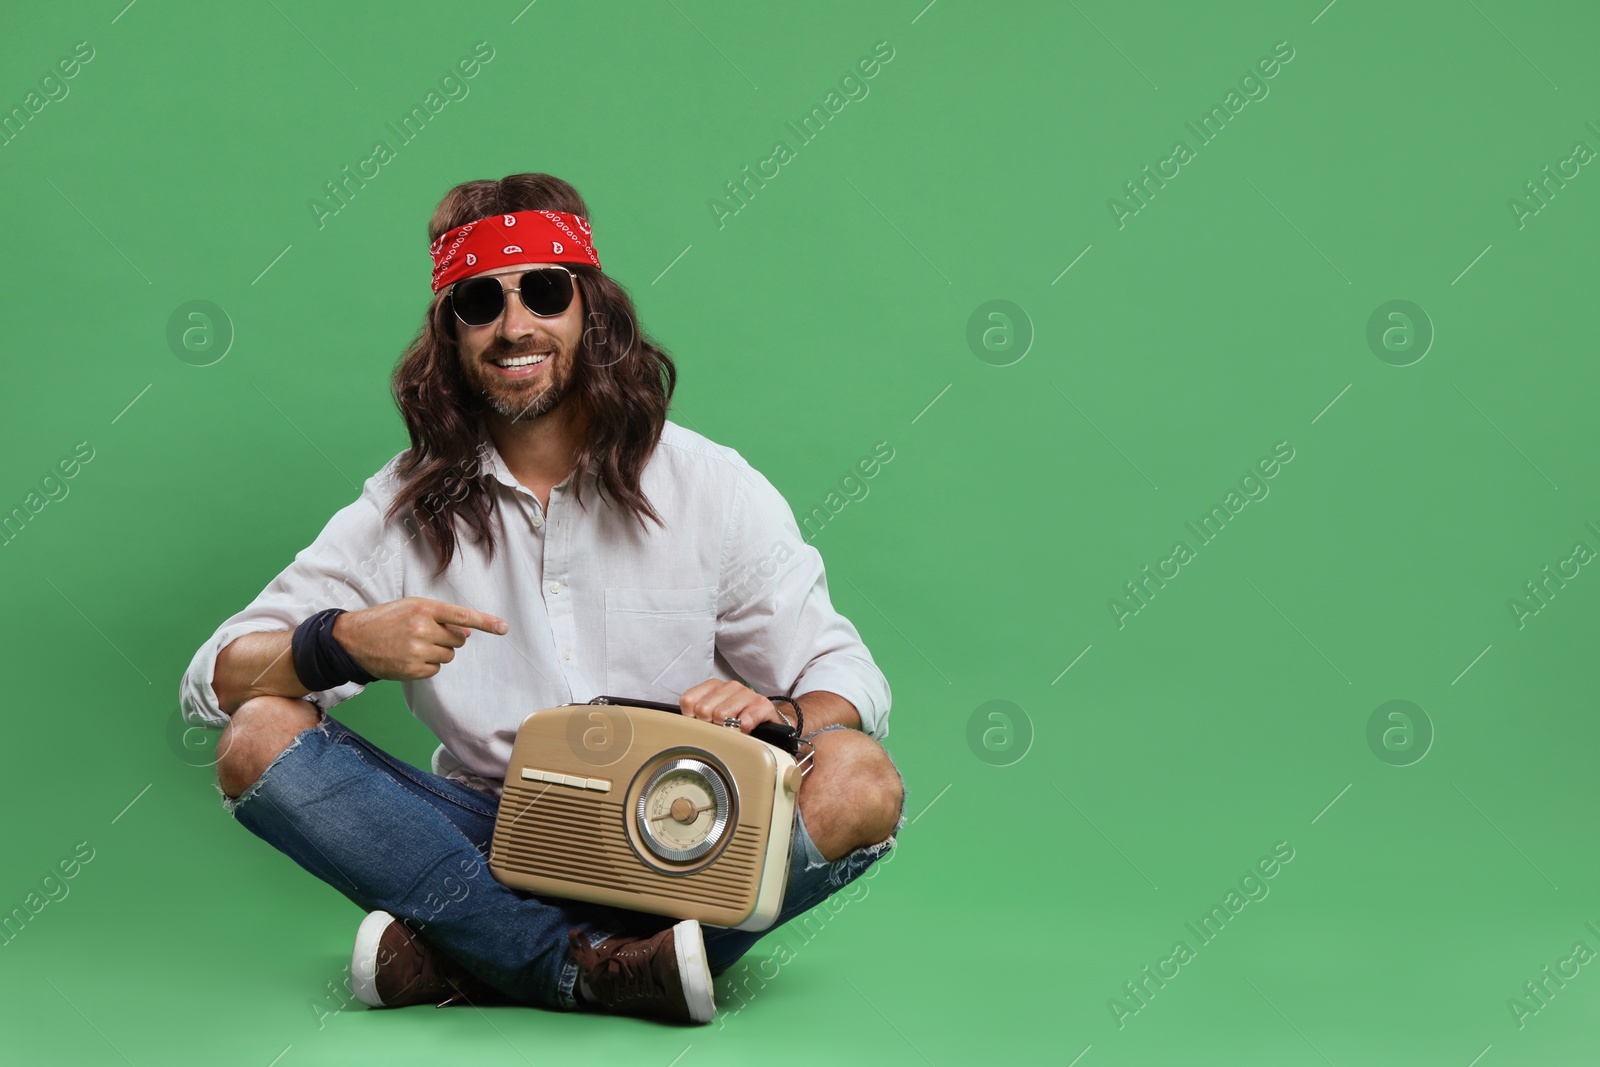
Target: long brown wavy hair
x,y
622,383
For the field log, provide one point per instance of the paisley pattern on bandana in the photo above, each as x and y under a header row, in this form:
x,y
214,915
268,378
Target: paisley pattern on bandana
x,y
518,237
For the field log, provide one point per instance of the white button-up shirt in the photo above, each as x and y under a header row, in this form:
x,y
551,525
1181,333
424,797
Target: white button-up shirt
x,y
595,605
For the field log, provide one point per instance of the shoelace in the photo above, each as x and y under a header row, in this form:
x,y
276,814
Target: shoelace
x,y
627,970
631,970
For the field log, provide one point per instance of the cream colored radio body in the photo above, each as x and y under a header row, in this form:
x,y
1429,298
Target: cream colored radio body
x,y
641,809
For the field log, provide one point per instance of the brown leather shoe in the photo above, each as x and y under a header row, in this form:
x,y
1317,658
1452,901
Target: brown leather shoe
x,y
392,967
664,976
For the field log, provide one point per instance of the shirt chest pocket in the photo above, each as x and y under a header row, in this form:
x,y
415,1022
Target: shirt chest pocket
x,y
659,642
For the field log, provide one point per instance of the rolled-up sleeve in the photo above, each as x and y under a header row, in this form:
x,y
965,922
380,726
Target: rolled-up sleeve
x,y
355,562
775,624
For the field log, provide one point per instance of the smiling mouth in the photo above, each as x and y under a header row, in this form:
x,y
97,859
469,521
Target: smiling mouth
x,y
515,362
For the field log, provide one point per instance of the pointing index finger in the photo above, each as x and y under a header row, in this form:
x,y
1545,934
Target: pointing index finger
x,y
455,614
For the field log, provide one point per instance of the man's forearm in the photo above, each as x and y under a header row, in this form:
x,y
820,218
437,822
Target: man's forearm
x,y
823,708
255,664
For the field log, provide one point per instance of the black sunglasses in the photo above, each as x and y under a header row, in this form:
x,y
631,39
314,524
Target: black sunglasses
x,y
545,291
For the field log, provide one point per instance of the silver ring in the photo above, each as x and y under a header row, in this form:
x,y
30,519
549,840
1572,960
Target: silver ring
x,y
733,720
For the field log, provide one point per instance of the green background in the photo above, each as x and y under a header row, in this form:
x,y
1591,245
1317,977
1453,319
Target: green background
x,y
831,313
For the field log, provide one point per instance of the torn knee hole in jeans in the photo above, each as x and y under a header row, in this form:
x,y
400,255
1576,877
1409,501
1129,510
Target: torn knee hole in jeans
x,y
849,866
229,804
900,820
825,729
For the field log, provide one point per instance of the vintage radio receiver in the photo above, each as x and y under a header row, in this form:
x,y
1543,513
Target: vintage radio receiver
x,y
642,808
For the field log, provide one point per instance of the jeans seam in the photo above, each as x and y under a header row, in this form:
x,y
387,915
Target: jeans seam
x,y
362,751
375,763
567,983
398,769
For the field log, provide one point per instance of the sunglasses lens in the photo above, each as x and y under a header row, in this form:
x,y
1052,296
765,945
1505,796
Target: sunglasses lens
x,y
547,291
477,301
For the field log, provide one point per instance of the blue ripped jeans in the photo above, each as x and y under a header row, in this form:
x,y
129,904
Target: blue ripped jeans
x,y
392,837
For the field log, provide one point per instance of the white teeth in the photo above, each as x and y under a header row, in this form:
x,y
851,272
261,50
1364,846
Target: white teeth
x,y
521,361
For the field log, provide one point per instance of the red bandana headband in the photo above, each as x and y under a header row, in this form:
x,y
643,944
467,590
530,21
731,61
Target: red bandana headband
x,y
503,240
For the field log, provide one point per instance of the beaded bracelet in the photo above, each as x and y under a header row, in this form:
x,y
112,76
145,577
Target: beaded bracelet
x,y
800,716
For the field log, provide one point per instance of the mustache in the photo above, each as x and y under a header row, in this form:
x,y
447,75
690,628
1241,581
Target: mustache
x,y
528,347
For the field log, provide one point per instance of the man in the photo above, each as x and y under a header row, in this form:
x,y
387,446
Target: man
x,y
610,552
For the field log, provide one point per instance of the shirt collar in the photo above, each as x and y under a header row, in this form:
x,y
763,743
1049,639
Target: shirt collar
x,y
496,465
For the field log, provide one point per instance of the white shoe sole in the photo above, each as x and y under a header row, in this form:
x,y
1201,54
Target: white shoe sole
x,y
364,960
693,971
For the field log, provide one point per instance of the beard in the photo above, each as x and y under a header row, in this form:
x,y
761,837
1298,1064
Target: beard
x,y
518,401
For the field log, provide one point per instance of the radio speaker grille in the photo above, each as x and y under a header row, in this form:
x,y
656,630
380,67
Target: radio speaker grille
x,y
547,836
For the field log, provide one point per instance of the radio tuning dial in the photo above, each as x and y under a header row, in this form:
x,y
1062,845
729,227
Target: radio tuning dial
x,y
684,809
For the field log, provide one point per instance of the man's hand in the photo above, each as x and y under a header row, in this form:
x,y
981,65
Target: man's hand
x,y
714,700
408,639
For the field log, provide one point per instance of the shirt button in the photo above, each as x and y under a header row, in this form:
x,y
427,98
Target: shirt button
x,y
555,587
537,522
566,653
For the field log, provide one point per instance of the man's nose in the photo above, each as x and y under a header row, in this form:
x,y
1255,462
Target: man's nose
x,y
516,322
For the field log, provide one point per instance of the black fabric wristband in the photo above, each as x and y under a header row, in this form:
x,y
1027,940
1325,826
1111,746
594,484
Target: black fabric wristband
x,y
320,662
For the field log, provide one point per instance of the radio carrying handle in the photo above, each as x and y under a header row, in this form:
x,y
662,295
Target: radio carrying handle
x,y
778,735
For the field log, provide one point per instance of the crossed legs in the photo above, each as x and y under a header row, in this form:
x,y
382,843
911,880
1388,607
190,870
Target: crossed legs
x,y
851,798
395,838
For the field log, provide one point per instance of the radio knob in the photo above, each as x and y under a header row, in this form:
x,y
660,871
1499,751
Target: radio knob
x,y
685,809
791,780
